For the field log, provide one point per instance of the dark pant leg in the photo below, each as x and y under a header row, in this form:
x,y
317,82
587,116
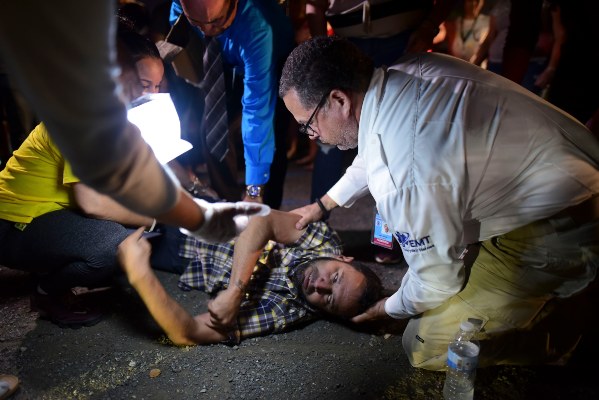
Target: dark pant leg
x,y
273,194
65,249
329,166
223,174
165,251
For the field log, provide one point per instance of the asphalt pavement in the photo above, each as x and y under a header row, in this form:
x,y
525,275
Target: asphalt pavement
x,y
126,356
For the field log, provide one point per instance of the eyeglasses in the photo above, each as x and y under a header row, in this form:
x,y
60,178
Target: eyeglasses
x,y
303,128
217,22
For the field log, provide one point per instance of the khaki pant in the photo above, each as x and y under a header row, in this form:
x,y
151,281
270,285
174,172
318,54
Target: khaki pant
x,y
530,287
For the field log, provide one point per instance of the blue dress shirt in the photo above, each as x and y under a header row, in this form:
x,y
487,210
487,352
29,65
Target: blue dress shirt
x,y
256,44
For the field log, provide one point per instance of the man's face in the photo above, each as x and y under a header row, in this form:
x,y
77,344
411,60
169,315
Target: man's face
x,y
331,123
332,286
211,16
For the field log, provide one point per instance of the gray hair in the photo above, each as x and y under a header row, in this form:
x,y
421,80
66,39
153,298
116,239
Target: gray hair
x,y
322,64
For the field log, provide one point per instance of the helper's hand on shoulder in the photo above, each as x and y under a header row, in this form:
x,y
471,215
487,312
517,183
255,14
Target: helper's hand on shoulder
x,y
309,213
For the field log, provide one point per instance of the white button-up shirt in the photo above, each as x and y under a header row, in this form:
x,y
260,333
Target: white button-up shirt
x,y
453,155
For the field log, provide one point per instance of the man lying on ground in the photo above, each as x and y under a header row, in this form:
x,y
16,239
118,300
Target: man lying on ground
x,y
271,278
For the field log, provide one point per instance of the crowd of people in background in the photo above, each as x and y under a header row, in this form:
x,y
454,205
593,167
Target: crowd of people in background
x,y
243,138
475,31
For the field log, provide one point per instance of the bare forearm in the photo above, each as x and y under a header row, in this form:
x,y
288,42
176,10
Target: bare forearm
x,y
328,202
186,213
277,226
248,248
315,15
172,318
101,206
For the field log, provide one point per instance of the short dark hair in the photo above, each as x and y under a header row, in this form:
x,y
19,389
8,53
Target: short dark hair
x,y
374,287
137,45
322,64
132,47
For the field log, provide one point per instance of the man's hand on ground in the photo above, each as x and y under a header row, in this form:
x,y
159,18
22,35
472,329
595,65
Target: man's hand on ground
x,y
376,312
224,221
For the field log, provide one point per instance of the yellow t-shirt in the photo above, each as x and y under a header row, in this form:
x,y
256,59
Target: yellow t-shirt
x,y
36,180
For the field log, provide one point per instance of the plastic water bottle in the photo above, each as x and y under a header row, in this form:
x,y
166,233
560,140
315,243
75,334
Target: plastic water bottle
x,y
462,359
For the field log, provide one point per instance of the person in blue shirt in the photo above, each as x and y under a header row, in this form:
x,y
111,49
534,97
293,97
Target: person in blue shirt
x,y
255,38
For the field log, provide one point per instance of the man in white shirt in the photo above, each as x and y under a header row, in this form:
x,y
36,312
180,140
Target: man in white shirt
x,y
455,155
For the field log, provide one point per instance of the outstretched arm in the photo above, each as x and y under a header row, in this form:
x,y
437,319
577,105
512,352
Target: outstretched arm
x,y
178,324
278,226
101,206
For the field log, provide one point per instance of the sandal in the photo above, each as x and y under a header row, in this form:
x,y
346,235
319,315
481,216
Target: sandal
x,y
8,385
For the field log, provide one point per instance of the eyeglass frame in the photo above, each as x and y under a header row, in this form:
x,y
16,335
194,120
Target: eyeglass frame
x,y
303,128
223,19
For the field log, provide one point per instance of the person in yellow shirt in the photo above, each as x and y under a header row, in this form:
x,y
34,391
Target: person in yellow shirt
x,y
58,228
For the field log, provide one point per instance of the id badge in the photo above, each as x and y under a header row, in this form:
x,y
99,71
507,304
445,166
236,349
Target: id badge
x,y
381,234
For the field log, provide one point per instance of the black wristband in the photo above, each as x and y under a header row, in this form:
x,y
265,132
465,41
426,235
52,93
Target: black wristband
x,y
323,209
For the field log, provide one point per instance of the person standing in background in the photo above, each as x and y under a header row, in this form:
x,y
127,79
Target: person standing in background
x,y
467,31
254,38
575,84
491,49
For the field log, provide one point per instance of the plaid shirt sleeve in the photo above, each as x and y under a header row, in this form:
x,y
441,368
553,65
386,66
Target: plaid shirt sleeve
x,y
275,305
272,313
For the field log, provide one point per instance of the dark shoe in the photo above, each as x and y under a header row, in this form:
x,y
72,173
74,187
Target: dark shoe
x,y
384,256
66,311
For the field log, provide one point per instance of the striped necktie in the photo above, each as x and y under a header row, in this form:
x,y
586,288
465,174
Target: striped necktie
x,y
216,125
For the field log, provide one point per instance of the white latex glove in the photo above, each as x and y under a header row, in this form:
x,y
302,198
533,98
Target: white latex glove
x,y
224,221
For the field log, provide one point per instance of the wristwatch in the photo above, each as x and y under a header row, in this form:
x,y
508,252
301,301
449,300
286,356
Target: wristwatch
x,y
254,191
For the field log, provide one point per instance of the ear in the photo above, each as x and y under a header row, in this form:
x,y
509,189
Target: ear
x,y
341,100
344,258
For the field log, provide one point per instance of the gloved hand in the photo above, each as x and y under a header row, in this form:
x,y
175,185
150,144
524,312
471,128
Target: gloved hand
x,y
224,221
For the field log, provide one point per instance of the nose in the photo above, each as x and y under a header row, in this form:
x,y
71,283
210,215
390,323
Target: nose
x,y
322,286
209,29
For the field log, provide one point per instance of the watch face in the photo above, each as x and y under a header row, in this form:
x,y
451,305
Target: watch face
x,y
254,191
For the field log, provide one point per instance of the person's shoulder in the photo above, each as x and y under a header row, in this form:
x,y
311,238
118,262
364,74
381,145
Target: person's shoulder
x,y
249,18
40,135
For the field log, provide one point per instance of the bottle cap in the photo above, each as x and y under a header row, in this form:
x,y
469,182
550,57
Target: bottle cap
x,y
467,326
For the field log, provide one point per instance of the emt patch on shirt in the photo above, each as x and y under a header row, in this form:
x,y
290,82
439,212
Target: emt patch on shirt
x,y
411,244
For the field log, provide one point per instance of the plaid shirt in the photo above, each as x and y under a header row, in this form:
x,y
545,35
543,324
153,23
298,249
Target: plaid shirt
x,y
272,301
